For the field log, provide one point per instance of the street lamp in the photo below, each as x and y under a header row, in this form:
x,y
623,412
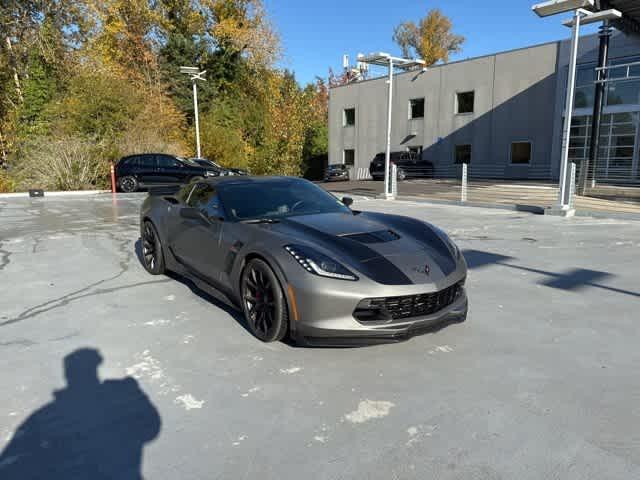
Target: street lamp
x,y
581,16
386,60
195,74
546,9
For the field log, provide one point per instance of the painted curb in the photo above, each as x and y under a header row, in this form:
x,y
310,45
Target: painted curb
x,y
514,208
56,193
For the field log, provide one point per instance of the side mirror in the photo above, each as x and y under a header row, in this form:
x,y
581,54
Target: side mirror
x,y
191,213
348,201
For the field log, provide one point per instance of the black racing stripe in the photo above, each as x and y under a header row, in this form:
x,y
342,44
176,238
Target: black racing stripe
x,y
383,271
376,267
423,234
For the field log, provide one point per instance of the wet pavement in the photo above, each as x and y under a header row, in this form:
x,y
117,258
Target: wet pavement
x,y
101,360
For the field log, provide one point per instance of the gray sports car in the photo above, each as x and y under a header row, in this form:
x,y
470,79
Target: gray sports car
x,y
298,261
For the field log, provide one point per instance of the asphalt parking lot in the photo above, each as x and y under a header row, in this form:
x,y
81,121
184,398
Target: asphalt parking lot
x,y
541,381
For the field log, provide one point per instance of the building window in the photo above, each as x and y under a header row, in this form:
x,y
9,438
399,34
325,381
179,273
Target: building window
x,y
349,117
464,102
416,108
521,152
463,154
349,157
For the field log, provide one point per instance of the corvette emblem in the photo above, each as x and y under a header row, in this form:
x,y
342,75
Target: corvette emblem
x,y
426,269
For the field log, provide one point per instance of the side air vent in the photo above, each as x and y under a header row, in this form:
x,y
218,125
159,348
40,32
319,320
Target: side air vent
x,y
374,237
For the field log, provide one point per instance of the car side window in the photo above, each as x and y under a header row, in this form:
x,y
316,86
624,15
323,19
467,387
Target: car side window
x,y
205,198
146,161
164,161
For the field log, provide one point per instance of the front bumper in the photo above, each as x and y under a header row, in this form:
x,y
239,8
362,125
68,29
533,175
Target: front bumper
x,y
325,318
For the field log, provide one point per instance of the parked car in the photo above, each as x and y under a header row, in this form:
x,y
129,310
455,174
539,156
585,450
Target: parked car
x,y
336,172
296,260
409,165
153,169
205,162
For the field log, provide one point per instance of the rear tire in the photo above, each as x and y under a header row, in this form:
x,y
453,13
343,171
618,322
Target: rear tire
x,y
129,184
263,302
152,253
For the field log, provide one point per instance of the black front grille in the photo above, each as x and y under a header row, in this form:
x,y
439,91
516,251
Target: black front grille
x,y
395,308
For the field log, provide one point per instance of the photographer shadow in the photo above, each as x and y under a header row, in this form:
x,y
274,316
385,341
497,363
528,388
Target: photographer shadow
x,y
91,429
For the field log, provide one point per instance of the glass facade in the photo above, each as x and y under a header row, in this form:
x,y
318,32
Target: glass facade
x,y
617,160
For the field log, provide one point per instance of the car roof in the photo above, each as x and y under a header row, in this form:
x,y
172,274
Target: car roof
x,y
245,180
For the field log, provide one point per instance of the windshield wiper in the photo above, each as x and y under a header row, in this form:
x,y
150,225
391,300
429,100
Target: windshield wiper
x,y
261,220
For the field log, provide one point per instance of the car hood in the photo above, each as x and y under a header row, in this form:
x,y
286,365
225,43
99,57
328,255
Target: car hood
x,y
389,249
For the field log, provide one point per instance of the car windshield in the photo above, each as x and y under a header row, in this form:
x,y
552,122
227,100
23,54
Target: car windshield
x,y
336,167
205,162
277,199
188,161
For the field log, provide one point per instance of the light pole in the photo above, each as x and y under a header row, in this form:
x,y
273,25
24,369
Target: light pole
x,y
195,74
581,16
386,60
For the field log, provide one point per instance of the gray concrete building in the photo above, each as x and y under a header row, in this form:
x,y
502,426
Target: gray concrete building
x,y
502,113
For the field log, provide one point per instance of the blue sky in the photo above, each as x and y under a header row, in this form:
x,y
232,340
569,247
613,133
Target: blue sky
x,y
315,34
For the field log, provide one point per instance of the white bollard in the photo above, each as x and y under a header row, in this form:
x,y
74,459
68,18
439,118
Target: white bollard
x,y
463,193
572,186
394,180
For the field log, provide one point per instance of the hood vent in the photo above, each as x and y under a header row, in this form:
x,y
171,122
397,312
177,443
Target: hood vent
x,y
382,236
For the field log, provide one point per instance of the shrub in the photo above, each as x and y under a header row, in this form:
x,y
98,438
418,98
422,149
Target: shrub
x,y
67,163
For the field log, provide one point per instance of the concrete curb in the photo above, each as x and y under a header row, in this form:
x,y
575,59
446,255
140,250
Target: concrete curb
x,y
56,193
514,208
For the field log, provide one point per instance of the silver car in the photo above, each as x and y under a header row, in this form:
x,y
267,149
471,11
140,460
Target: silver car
x,y
300,262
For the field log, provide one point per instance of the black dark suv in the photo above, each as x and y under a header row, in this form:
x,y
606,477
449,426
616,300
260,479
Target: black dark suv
x,y
409,165
153,169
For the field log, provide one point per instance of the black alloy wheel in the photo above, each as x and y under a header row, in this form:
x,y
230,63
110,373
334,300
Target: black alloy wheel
x,y
263,302
128,184
152,254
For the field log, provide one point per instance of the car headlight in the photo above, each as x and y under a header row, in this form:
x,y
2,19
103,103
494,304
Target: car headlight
x,y
318,264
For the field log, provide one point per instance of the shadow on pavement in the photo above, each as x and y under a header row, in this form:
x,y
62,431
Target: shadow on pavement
x,y
574,280
91,429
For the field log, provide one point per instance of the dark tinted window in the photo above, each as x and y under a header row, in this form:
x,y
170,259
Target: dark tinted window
x,y
416,108
349,157
146,161
520,152
277,198
349,118
130,161
465,102
205,198
463,154
165,161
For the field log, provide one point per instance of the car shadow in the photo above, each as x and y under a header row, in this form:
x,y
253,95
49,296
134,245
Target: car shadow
x,y
208,294
90,429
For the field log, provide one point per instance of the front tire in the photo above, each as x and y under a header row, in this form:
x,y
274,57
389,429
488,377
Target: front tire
x,y
263,302
152,253
129,184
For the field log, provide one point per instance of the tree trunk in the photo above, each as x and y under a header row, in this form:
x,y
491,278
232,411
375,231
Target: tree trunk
x,y
16,77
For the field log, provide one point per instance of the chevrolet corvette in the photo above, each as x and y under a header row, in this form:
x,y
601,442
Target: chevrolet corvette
x,y
298,261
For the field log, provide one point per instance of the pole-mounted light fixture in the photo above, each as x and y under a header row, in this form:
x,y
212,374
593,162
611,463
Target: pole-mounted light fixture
x,y
553,7
195,74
